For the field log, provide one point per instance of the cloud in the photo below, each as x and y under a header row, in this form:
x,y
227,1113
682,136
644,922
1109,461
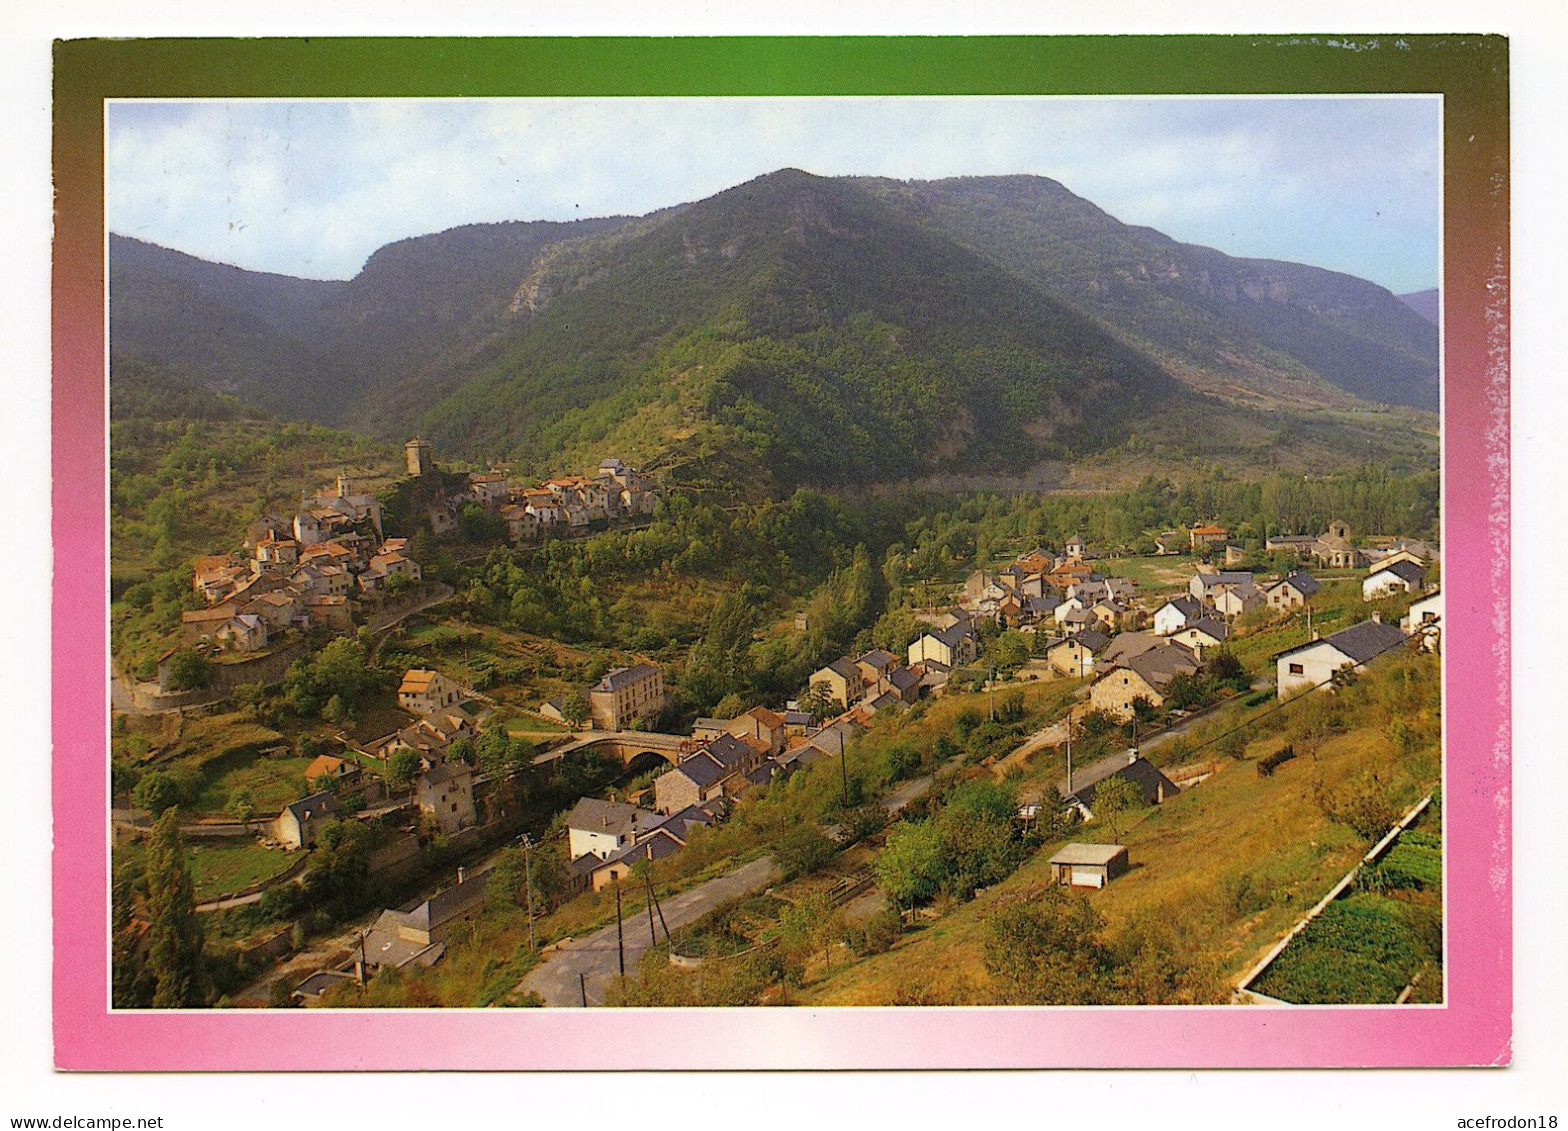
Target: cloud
x,y
314,187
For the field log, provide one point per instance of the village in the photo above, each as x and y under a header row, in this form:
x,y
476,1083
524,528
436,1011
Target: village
x,y
1142,659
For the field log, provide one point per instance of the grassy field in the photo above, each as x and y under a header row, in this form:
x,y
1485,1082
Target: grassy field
x,y
219,867
1153,575
273,783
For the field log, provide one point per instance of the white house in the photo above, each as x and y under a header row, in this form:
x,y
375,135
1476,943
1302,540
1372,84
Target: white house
x,y
1177,614
602,828
1401,576
1313,664
1425,619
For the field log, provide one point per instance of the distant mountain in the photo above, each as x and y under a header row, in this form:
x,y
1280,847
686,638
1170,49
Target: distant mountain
x,y
794,329
1242,328
1425,303
795,318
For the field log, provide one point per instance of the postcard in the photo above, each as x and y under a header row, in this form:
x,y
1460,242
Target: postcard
x,y
781,553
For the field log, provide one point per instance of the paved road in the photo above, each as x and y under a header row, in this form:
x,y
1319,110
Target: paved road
x,y
556,978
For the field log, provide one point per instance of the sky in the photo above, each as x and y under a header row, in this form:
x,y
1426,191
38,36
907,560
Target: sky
x,y
312,188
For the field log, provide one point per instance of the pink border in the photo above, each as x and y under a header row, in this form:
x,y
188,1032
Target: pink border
x,y
1473,1028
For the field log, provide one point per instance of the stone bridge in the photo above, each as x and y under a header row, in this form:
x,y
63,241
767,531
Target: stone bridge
x,y
627,745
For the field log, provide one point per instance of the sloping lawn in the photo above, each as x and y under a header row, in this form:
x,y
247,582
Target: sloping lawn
x,y
221,866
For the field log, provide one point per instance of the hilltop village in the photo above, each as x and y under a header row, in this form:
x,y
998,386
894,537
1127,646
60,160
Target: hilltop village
x,y
318,728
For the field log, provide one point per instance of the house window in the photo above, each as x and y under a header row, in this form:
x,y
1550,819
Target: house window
x,y
1297,669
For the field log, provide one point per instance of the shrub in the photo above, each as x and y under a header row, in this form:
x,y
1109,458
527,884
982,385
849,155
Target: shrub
x,y
1268,765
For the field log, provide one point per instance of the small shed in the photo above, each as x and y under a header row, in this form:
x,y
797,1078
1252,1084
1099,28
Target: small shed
x,y
1088,865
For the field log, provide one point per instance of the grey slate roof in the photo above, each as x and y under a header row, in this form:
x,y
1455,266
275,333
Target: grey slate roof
x,y
727,750
1366,640
701,769
1215,628
1142,773
845,667
1188,605
878,658
314,807
1405,570
1303,583
1092,639
1210,580
624,677
902,678
1159,665
615,818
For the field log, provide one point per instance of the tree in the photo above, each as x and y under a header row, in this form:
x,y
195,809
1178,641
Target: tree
x,y
1115,797
242,807
911,867
1048,952
1226,670
820,703
806,927
403,767
156,792
174,931
575,709
729,707
802,850
187,670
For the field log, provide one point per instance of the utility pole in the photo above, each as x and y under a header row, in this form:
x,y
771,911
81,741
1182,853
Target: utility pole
x,y
528,879
582,986
647,878
620,935
1069,751
843,766
991,696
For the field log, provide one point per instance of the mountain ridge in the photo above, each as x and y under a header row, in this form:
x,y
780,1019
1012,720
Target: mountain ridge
x,y
819,329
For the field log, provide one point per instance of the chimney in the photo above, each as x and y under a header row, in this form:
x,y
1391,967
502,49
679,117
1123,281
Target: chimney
x,y
1159,792
462,874
1132,756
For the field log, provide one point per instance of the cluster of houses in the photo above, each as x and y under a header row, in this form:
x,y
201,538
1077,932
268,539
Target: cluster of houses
x,y
429,719
303,574
723,759
1045,587
878,679
568,502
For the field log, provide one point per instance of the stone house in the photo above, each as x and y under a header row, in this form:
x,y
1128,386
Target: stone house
x,y
427,692
1074,655
624,694
841,679
402,938
953,647
1144,676
446,793
1291,592
298,825
1202,537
